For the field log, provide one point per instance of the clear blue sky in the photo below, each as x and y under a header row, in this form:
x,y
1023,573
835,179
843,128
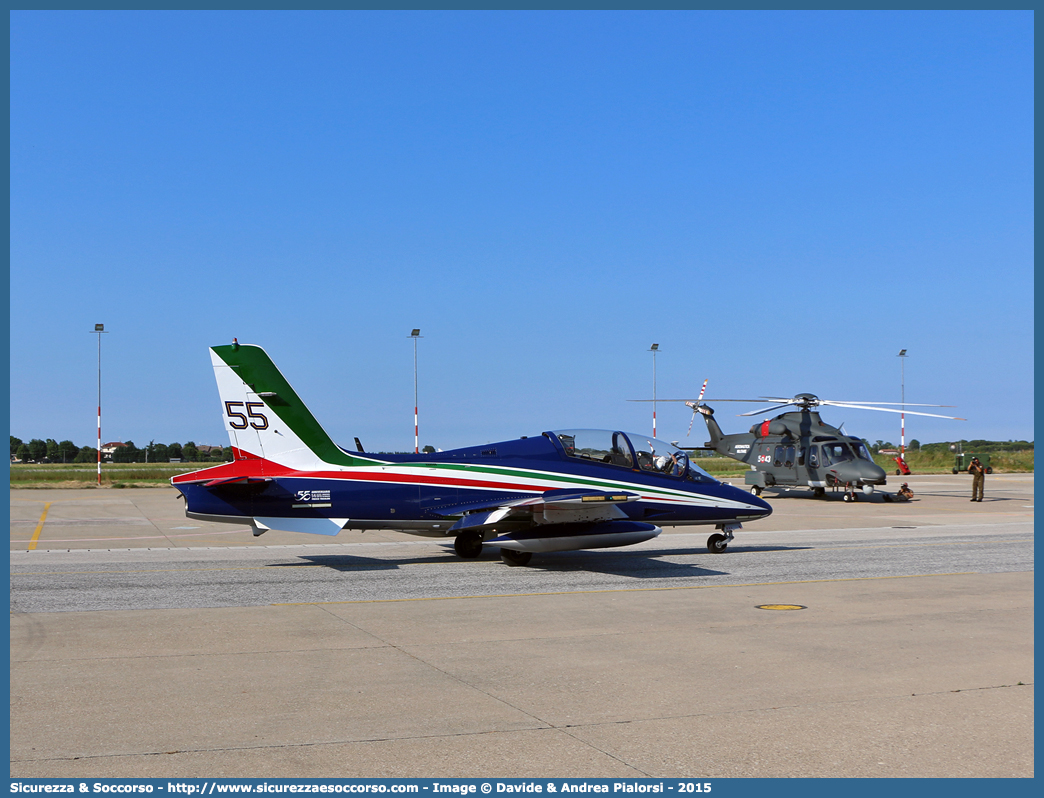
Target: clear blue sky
x,y
782,201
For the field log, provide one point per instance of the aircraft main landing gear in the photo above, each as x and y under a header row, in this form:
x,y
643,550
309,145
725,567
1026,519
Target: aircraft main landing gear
x,y
756,490
468,544
512,557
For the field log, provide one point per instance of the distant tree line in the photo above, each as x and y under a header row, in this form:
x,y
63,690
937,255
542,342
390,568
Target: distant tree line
x,y
967,446
52,451
981,446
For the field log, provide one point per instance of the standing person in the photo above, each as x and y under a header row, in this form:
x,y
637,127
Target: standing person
x,y
978,472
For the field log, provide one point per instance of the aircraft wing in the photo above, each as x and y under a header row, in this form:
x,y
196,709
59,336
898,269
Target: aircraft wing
x,y
552,507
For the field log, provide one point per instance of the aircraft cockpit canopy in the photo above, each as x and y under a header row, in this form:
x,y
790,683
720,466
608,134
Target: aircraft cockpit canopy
x,y
630,450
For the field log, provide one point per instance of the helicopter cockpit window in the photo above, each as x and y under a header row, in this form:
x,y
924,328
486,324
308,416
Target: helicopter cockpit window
x,y
861,451
836,453
597,445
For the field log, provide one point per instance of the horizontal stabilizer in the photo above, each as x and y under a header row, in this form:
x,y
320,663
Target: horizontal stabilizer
x,y
214,483
313,526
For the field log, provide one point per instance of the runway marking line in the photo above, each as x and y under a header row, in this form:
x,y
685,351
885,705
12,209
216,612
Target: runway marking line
x,y
457,562
448,562
139,537
619,590
39,527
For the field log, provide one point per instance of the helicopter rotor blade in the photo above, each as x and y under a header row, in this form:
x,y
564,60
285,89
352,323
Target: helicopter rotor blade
x,y
891,410
841,403
764,410
708,401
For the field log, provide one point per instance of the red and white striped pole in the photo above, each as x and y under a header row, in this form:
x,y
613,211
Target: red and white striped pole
x,y
902,415
416,425
99,329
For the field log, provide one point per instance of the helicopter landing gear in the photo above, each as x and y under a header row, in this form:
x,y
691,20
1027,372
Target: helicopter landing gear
x,y
850,494
756,490
512,557
468,544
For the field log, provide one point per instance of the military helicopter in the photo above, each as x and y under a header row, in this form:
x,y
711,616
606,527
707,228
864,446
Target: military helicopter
x,y
798,449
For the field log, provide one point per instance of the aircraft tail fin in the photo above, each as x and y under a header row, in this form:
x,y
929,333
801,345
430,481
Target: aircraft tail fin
x,y
713,429
264,416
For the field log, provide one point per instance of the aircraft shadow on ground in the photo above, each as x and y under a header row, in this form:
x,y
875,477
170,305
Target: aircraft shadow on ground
x,y
348,562
646,564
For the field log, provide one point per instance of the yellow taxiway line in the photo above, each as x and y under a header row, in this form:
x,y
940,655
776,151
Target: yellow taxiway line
x,y
39,527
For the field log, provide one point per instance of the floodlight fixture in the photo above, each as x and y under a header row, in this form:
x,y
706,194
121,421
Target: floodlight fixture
x,y
99,329
654,349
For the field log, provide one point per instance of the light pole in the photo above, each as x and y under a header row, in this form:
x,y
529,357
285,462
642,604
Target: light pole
x,y
902,415
654,348
416,426
99,329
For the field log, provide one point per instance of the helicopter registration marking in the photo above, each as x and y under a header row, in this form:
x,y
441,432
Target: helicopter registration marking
x,y
764,458
742,448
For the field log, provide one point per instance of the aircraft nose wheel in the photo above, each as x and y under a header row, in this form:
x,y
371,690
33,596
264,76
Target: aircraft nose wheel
x,y
468,545
716,544
756,490
512,557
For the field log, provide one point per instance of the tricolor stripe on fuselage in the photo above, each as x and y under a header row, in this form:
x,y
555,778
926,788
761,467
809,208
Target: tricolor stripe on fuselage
x,y
461,476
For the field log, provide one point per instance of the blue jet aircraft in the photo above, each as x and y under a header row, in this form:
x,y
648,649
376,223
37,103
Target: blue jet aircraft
x,y
558,491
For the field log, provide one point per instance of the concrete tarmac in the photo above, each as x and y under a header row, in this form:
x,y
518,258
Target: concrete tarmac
x,y
663,665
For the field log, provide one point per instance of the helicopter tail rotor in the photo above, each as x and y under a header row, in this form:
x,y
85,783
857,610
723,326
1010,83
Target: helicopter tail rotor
x,y
696,405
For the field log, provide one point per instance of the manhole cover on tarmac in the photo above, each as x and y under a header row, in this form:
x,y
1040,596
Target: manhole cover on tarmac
x,y
781,607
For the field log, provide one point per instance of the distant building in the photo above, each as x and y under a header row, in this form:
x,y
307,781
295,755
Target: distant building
x,y
108,449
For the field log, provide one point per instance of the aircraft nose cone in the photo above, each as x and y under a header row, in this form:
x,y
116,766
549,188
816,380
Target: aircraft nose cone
x,y
759,508
872,473
861,472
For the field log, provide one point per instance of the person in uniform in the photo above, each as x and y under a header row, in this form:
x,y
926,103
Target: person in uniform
x,y
978,472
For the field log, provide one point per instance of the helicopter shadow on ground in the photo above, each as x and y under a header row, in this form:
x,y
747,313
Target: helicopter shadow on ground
x,y
964,495
877,497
